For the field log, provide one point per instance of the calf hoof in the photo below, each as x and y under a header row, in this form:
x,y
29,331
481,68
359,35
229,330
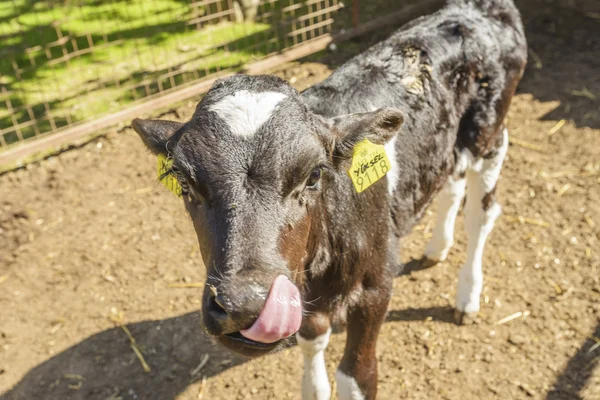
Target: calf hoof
x,y
465,318
427,262
417,265
436,255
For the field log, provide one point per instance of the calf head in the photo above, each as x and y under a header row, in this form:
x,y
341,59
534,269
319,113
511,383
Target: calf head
x,y
255,165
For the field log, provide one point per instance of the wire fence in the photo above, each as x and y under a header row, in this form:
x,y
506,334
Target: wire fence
x,y
67,61
69,68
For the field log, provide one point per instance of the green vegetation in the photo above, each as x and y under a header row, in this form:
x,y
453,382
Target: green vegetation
x,y
89,57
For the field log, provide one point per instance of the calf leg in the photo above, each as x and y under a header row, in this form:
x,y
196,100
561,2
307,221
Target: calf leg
x,y
312,340
356,376
481,211
448,203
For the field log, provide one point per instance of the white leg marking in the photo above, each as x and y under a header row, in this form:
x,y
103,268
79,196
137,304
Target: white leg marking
x,y
315,383
448,204
481,179
394,171
347,388
245,112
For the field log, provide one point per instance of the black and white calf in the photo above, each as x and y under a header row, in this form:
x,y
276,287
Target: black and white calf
x,y
287,240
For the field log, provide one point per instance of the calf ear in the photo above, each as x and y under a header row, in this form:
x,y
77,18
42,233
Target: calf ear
x,y
156,133
378,127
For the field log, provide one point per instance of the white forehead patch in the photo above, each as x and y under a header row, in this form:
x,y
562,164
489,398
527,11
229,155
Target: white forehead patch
x,y
245,112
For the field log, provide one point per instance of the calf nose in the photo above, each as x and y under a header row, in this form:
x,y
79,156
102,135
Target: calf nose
x,y
229,313
257,314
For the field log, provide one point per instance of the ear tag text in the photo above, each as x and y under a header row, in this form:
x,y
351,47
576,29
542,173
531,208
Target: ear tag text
x,y
167,178
370,163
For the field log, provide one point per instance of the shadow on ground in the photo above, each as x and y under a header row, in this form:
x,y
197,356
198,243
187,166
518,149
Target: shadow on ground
x,y
578,371
564,36
172,347
439,314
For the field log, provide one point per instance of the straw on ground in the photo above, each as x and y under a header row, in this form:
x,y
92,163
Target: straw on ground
x,y
118,320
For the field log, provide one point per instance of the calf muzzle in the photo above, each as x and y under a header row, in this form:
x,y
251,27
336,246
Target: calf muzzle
x,y
252,322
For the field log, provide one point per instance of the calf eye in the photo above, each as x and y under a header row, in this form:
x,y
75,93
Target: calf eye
x,y
314,178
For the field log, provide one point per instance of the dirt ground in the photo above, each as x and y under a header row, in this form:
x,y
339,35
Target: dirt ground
x,y
88,239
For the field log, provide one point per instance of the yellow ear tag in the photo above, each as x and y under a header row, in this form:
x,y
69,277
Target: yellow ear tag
x,y
166,178
370,163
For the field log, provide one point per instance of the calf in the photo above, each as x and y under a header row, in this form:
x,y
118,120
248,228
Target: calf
x,y
292,233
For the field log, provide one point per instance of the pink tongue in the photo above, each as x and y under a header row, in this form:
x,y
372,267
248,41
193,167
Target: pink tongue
x,y
281,315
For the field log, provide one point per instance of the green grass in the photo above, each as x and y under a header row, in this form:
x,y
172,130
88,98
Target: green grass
x,y
134,41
